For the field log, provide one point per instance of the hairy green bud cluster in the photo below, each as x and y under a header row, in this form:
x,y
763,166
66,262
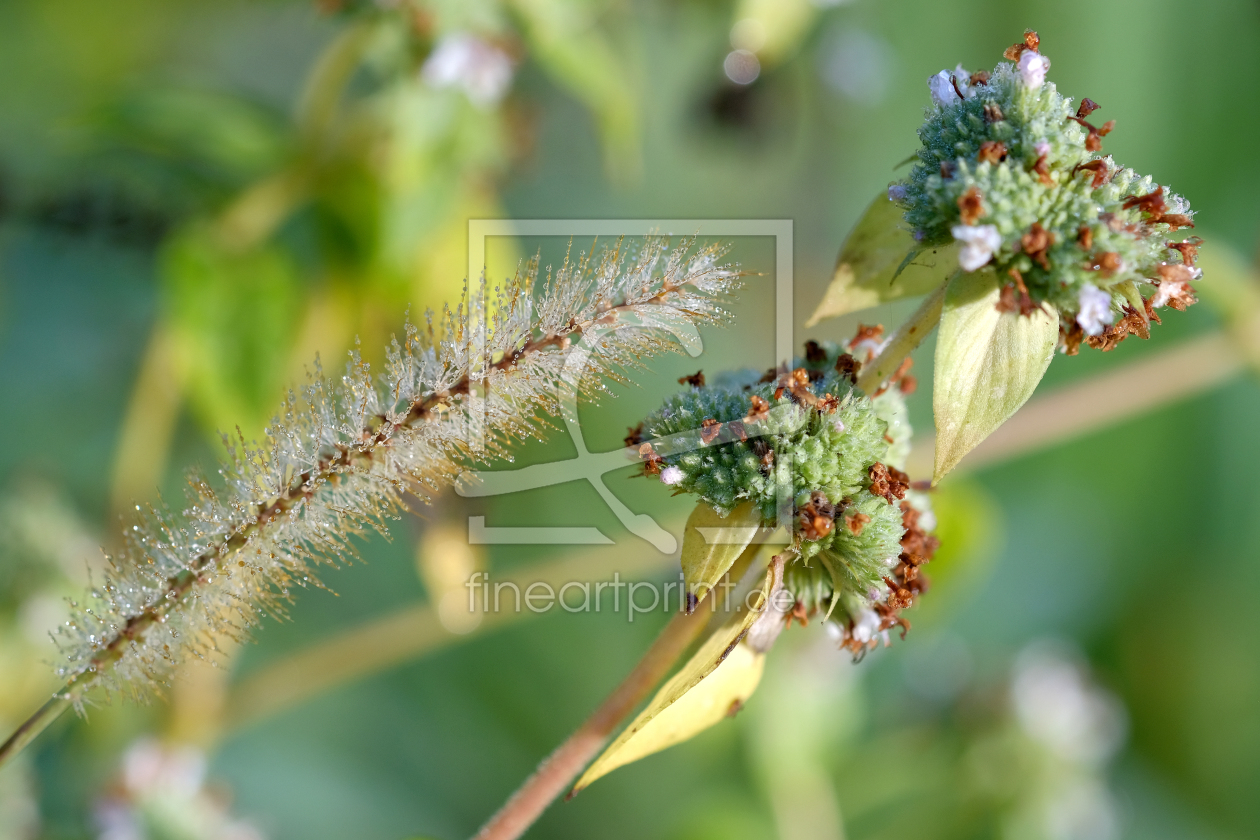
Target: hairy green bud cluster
x,y
1012,171
805,445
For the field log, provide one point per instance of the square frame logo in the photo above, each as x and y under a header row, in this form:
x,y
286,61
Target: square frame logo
x,y
592,466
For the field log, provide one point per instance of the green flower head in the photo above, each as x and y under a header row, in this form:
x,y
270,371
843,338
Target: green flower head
x,y
1016,175
809,449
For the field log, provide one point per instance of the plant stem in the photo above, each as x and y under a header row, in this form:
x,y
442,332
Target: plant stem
x,y
34,725
903,342
560,768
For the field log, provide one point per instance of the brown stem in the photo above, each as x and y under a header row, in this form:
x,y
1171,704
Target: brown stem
x,y
559,769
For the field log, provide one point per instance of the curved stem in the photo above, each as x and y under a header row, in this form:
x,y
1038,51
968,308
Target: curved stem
x,y
560,768
34,725
903,342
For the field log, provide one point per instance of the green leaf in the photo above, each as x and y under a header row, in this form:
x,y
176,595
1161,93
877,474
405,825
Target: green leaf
x,y
988,363
713,684
879,262
711,543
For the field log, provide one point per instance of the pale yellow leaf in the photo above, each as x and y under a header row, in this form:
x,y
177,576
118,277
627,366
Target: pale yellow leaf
x,y
873,268
701,694
711,543
988,364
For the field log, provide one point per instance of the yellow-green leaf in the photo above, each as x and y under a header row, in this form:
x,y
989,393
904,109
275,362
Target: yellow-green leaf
x,y
879,262
987,365
711,543
717,680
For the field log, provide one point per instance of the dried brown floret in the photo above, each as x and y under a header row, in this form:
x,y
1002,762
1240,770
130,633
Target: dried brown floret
x,y
856,522
1189,249
634,435
947,169
1152,204
651,461
814,353
1133,323
1042,170
1098,168
1085,238
1070,337
1014,296
1174,220
1030,42
709,430
992,151
889,482
971,206
817,516
1088,106
993,112
1107,263
847,365
1036,244
696,380
760,409
1174,286
980,77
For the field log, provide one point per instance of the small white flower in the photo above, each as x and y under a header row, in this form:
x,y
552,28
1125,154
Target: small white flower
x,y
865,626
838,425
897,192
671,475
1042,148
979,243
942,88
1032,69
1095,310
479,68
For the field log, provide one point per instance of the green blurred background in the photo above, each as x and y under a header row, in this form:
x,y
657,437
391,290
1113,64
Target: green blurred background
x,y
197,198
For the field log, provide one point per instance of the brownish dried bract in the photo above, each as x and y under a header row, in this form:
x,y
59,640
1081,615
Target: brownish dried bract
x,y
737,430
993,112
1042,170
814,353
889,482
709,430
1151,204
947,169
1189,249
1174,220
1030,42
763,451
817,516
1174,282
1098,167
992,151
899,598
651,461
855,522
866,332
760,409
696,380
1093,140
829,403
799,378
1070,337
971,206
1014,296
1085,238
917,546
1133,323
980,77
634,435
1088,106
1107,263
1036,244
847,365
